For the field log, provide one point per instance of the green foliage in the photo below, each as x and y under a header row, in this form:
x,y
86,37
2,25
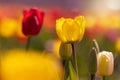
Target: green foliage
x,y
72,73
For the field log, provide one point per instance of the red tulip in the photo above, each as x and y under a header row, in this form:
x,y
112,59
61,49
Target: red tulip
x,y
32,21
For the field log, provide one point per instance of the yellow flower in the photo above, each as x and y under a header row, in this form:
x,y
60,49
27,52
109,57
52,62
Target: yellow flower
x,y
7,27
53,46
117,45
70,30
18,32
22,65
105,63
56,46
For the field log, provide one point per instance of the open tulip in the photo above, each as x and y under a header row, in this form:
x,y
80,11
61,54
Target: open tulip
x,y
32,21
105,63
70,30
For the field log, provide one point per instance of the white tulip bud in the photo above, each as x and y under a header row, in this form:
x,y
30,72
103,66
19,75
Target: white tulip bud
x,y
105,63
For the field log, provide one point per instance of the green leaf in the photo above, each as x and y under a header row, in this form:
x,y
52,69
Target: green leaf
x,y
73,75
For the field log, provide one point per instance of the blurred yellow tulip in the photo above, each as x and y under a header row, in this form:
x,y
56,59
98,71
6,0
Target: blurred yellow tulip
x,y
7,27
56,47
30,65
70,30
18,32
117,45
53,47
105,63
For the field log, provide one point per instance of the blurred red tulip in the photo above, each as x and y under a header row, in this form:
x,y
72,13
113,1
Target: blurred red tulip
x,y
93,32
32,21
112,34
55,13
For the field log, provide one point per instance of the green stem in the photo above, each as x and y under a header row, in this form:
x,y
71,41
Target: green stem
x,y
64,65
28,43
116,62
75,58
67,71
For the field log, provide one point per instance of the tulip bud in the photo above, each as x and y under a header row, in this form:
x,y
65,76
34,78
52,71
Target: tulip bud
x,y
70,30
105,63
65,51
32,21
93,61
95,44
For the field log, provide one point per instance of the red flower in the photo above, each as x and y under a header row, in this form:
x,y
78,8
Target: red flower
x,y
32,21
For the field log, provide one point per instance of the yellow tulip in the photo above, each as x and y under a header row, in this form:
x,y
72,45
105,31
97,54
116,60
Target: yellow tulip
x,y
105,63
56,46
70,30
53,46
22,65
18,32
117,45
7,27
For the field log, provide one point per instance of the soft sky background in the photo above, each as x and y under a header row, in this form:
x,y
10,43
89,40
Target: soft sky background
x,y
77,5
51,3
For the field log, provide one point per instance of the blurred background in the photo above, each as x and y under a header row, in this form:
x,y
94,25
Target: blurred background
x,y
102,23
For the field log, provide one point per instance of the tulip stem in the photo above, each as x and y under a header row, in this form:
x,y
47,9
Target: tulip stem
x,y
74,57
65,65
28,43
92,76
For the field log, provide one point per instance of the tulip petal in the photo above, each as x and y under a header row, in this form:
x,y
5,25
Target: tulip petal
x,y
70,30
81,21
104,64
59,24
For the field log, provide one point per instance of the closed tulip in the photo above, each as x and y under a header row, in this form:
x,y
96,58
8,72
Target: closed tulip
x,y
65,51
70,30
32,21
105,63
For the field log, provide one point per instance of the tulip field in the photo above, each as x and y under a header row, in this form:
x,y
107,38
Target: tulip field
x,y
57,41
